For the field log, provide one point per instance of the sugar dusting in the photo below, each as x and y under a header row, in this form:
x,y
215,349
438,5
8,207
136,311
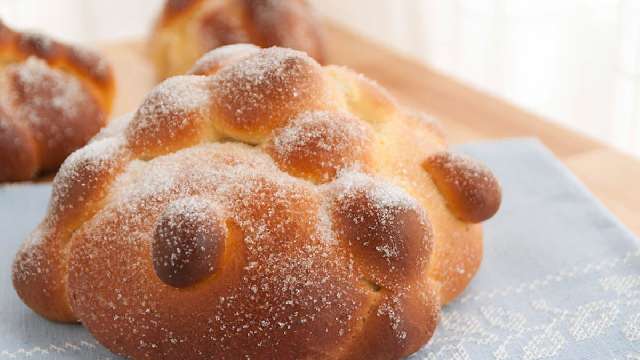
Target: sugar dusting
x,y
67,93
463,170
85,166
328,141
386,200
325,129
194,216
193,208
32,258
61,113
95,154
278,76
176,104
384,194
173,98
293,279
115,127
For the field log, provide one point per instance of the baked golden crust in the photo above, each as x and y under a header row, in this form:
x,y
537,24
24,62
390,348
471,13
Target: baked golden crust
x,y
469,188
186,29
292,220
55,97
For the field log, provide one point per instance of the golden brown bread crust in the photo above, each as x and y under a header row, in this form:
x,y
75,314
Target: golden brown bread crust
x,y
471,191
292,220
54,98
186,29
200,238
326,133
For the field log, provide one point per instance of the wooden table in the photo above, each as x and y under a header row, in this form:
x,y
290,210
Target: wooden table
x,y
467,114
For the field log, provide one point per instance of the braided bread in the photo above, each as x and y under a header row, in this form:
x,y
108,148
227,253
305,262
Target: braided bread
x,y
187,29
53,99
262,207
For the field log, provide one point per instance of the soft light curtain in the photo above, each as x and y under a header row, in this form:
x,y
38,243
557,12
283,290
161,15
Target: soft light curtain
x,y
576,62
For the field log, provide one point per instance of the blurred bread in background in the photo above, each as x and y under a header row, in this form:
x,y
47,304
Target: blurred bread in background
x,y
53,98
186,29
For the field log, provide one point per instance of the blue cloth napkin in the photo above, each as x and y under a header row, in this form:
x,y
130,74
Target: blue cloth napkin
x,y
560,277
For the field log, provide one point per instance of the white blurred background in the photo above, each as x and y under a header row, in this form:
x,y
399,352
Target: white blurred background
x,y
576,62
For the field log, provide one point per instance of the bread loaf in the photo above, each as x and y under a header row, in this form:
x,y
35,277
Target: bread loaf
x,y
53,99
186,29
262,207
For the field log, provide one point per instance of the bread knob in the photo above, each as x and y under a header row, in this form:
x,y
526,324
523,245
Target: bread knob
x,y
317,144
260,93
471,191
173,115
386,230
188,242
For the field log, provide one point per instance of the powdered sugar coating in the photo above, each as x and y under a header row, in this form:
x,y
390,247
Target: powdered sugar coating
x,y
85,61
471,190
85,167
473,170
67,92
188,241
318,144
383,225
309,263
288,265
294,137
192,208
23,269
115,127
58,109
59,94
262,92
173,98
383,194
96,152
175,109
